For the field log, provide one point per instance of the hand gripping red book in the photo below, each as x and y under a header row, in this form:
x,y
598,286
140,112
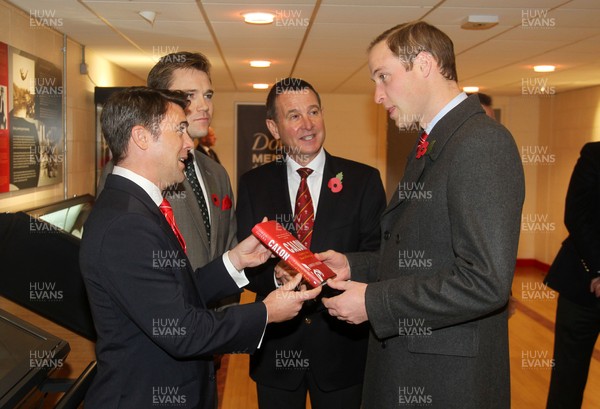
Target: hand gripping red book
x,y
292,251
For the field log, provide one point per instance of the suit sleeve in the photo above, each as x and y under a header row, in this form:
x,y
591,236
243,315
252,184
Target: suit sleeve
x,y
484,197
582,204
363,264
140,281
372,204
232,239
261,277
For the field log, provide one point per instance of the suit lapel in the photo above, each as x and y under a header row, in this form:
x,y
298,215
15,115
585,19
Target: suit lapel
x,y
121,183
281,199
412,173
440,135
211,188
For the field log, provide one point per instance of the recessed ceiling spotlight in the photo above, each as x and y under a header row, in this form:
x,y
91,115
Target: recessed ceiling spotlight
x,y
470,90
478,22
544,68
260,63
260,86
148,15
259,18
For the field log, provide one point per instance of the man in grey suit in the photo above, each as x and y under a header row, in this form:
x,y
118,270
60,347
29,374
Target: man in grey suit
x,y
207,239
205,214
436,292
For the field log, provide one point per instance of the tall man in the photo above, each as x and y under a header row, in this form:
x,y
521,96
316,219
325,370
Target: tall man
x,y
436,292
575,274
156,335
342,201
203,202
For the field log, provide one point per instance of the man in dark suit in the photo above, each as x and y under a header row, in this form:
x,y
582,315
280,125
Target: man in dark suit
x,y
436,292
205,215
156,335
313,352
575,274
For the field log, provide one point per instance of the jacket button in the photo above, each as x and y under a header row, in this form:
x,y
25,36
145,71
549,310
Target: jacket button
x,y
397,238
307,320
386,235
383,344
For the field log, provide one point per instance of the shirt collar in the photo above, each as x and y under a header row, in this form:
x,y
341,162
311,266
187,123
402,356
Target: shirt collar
x,y
149,187
317,164
449,106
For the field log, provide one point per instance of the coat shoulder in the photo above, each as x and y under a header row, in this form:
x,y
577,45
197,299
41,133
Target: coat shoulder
x,y
591,148
211,165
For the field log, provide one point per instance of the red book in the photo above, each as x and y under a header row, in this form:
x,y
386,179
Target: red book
x,y
292,251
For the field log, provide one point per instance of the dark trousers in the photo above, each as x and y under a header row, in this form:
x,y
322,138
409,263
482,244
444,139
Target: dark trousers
x,y
575,335
273,398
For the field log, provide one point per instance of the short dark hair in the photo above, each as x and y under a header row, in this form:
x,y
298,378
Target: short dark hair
x,y
485,99
407,40
161,75
131,107
286,85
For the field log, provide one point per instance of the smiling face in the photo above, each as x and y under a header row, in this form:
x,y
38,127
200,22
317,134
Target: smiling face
x,y
170,147
299,124
196,84
396,89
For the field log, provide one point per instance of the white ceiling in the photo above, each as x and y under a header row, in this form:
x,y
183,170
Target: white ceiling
x,y
324,41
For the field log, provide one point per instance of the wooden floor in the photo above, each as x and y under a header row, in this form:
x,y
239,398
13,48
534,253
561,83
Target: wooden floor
x,y
531,331
531,347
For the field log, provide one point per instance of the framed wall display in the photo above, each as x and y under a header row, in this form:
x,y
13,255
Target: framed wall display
x,y
31,130
255,144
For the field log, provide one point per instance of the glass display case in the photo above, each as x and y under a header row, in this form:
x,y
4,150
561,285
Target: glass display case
x,y
39,249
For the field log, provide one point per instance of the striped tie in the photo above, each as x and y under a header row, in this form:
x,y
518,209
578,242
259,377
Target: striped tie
x,y
304,214
166,209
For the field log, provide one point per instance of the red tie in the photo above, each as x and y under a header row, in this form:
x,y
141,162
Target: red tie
x,y
167,210
422,146
304,214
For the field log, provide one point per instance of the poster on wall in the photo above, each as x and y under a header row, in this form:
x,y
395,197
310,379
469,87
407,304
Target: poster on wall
x,y
4,144
31,152
255,144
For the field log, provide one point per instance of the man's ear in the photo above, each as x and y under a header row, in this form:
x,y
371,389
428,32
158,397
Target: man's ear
x,y
273,128
140,136
425,62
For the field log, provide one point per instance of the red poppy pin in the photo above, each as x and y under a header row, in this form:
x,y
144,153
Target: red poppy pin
x,y
226,203
335,184
422,149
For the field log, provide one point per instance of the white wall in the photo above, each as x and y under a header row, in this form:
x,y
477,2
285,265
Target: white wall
x,y
351,121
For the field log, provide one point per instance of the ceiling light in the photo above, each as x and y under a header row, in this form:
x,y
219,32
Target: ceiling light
x,y
470,90
260,63
260,86
478,22
148,15
259,18
544,68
